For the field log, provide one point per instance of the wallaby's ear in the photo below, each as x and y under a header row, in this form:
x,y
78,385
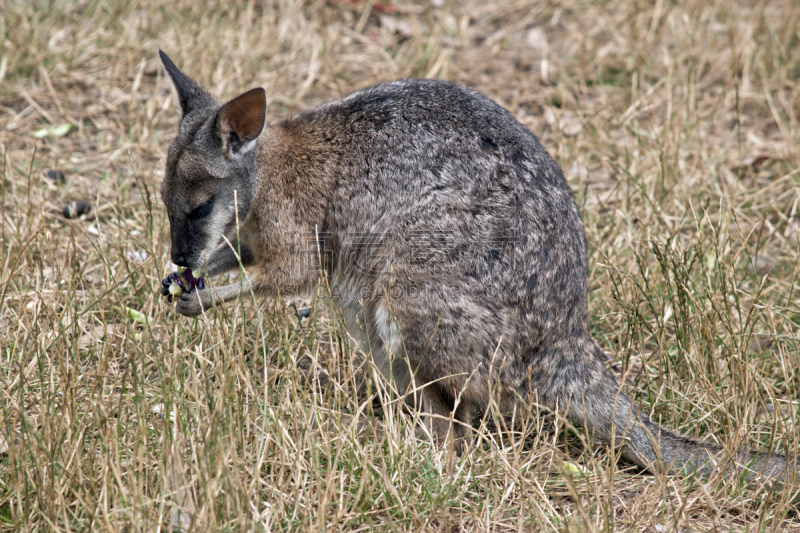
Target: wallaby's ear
x,y
190,94
241,120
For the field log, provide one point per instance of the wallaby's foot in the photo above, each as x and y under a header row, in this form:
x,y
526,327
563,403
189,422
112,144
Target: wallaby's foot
x,y
450,429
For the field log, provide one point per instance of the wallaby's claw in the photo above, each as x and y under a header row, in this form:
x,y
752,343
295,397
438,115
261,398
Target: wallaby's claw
x,y
165,283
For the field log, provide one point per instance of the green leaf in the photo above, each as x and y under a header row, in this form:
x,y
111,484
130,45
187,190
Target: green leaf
x,y
573,469
138,316
55,131
60,131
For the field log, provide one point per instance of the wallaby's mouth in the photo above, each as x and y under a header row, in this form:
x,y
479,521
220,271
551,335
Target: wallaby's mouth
x,y
199,265
198,271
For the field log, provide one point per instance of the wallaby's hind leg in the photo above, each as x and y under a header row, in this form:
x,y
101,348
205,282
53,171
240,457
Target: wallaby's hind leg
x,y
450,425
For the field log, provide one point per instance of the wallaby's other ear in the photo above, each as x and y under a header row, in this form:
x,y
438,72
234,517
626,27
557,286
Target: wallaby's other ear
x,y
241,120
190,94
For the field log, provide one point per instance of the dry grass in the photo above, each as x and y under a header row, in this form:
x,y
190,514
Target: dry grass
x,y
677,126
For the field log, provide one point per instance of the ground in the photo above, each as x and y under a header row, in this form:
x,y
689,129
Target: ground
x,y
676,125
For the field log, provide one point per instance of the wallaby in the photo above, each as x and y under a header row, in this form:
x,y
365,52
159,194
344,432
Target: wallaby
x,y
449,240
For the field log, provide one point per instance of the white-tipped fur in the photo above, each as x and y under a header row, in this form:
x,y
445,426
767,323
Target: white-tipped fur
x,y
244,147
388,356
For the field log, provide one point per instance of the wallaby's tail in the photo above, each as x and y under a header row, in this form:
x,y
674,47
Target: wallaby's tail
x,y
602,406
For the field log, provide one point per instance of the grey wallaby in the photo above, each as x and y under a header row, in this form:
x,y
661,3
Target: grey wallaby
x,y
449,239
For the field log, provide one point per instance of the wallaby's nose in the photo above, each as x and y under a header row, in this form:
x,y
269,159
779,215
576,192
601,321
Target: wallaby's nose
x,y
180,261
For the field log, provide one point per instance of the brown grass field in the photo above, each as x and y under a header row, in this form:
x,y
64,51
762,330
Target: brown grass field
x,y
676,124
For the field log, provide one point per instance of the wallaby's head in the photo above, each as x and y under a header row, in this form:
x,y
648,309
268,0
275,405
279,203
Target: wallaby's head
x,y
210,167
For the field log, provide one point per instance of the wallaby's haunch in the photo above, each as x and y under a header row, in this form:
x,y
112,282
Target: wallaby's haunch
x,y
446,233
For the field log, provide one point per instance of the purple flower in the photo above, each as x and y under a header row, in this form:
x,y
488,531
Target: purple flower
x,y
185,280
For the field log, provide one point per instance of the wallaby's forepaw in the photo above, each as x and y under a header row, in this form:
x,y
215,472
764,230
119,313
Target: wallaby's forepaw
x,y
192,304
166,283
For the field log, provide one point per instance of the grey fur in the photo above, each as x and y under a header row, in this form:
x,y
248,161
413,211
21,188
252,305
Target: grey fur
x,y
448,236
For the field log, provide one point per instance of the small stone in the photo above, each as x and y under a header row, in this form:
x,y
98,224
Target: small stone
x,y
537,39
75,209
571,125
56,176
761,265
139,257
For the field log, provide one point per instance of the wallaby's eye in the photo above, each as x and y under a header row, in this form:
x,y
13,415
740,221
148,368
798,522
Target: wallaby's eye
x,y
204,209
